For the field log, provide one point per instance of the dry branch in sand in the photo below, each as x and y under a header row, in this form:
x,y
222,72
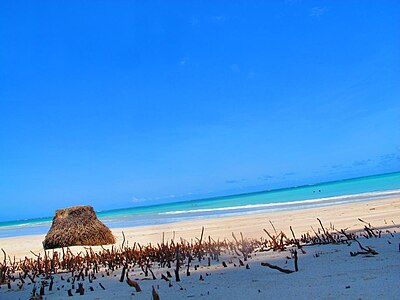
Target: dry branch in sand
x,y
155,294
367,250
265,264
134,284
90,265
3,268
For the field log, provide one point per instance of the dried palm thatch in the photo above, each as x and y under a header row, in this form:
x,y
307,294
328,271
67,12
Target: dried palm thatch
x,y
75,226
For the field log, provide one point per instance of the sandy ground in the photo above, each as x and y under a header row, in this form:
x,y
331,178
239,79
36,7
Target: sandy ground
x,y
325,271
377,212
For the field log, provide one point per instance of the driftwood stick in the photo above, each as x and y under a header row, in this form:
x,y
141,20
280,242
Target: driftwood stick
x,y
359,244
369,224
164,277
367,250
296,266
201,236
123,242
134,284
177,264
41,290
322,226
294,238
370,251
51,283
265,264
370,232
34,253
123,273
270,236
273,227
316,234
5,256
152,274
188,266
80,289
347,235
155,294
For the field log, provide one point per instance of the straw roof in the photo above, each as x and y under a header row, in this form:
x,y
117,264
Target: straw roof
x,y
75,226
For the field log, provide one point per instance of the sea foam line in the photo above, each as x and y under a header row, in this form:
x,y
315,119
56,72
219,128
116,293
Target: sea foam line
x,y
252,206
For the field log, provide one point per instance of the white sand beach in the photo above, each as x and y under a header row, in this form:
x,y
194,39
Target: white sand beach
x,y
325,271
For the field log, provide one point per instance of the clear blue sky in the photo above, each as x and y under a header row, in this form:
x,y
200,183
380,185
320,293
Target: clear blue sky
x,y
125,103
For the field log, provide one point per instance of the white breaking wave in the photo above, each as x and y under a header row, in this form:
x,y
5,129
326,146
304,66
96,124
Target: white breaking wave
x,y
354,197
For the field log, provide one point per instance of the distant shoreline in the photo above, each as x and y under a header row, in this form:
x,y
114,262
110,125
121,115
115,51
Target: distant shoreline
x,y
212,213
101,213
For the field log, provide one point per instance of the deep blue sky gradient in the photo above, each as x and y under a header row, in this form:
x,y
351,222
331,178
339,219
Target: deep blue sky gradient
x,y
124,103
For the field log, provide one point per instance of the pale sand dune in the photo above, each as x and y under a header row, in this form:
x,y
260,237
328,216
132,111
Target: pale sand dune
x,y
251,225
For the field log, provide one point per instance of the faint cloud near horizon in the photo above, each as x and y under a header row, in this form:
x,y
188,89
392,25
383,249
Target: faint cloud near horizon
x,y
289,174
138,199
363,162
218,19
232,181
264,178
337,166
380,160
388,159
317,11
183,61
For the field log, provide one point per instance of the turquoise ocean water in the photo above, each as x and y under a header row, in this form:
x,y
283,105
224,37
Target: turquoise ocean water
x,y
323,194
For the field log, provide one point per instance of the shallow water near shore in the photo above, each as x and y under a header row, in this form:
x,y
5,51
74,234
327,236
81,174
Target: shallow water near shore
x,y
323,194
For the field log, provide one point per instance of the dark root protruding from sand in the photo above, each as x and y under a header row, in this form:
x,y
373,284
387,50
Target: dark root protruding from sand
x,y
77,226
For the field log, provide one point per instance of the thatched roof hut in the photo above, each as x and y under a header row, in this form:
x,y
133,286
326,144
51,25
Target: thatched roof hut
x,y
75,226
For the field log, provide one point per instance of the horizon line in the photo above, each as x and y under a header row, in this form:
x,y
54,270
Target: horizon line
x,y
210,198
